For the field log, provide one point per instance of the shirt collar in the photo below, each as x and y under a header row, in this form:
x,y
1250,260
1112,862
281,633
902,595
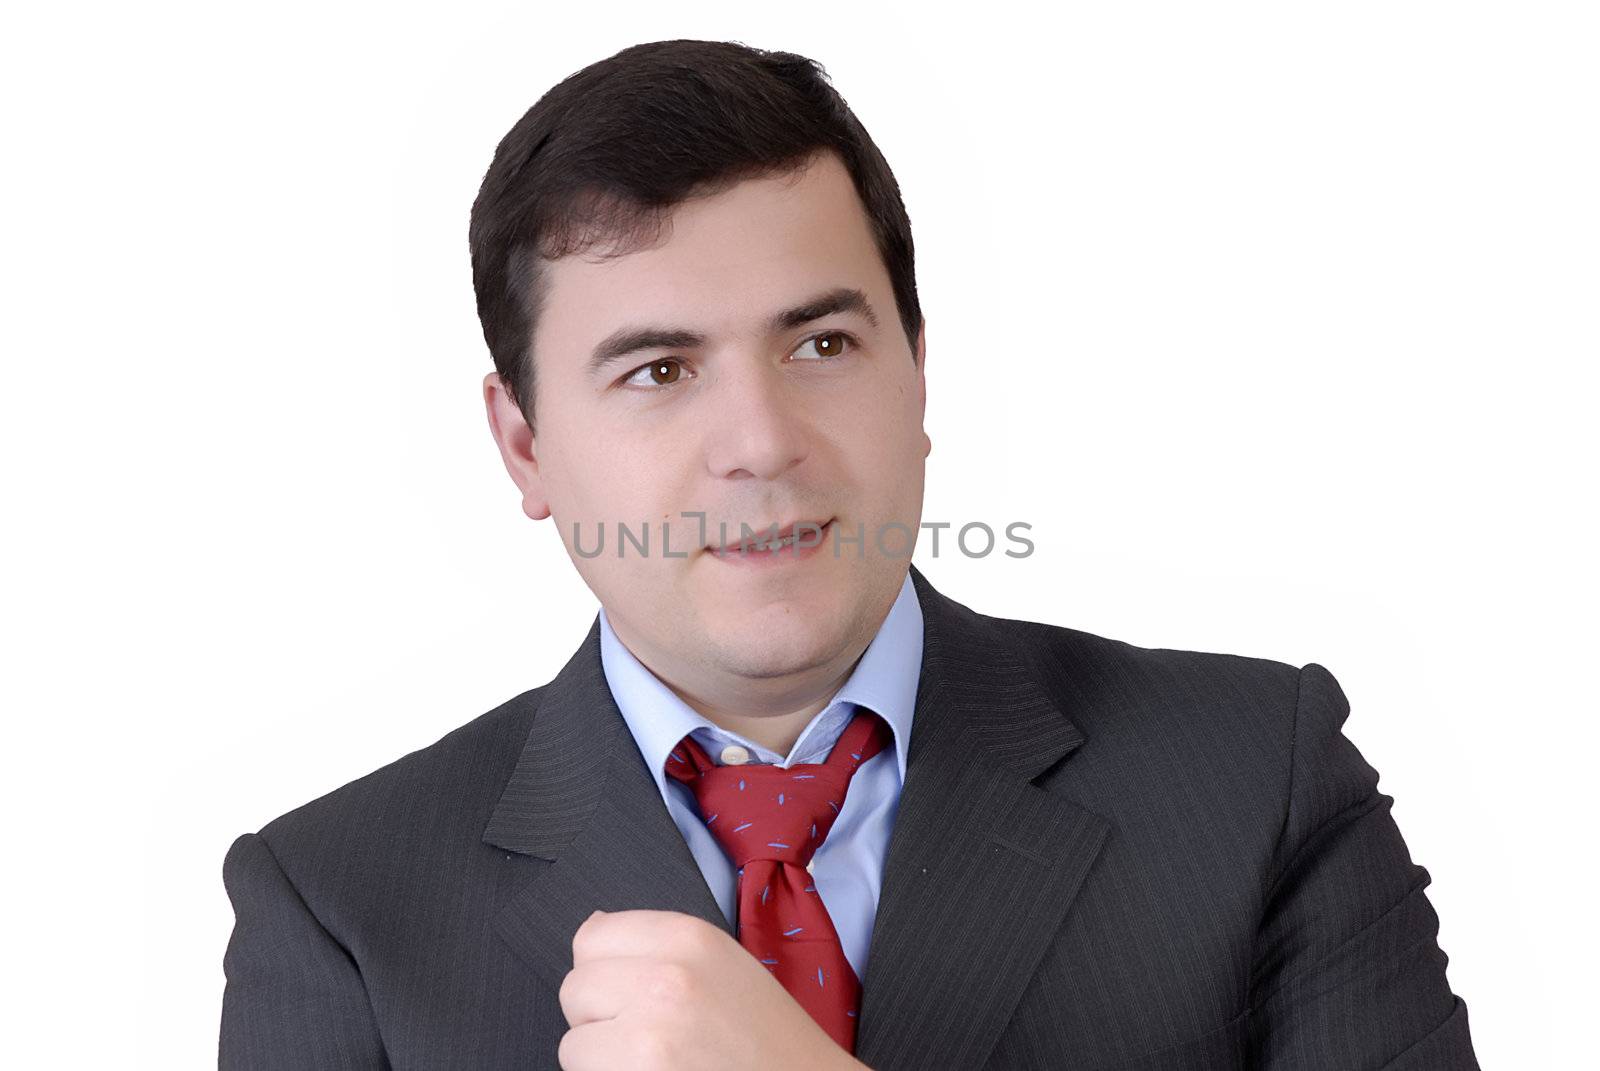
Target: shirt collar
x,y
884,681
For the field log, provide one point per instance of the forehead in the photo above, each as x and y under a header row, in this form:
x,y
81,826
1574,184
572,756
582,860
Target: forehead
x,y
725,262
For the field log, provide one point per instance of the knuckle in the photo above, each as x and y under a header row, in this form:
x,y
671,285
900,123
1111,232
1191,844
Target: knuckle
x,y
696,935
652,1051
567,1051
672,982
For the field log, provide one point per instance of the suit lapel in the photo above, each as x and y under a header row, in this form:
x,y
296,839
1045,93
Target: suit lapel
x,y
982,865
581,797
981,870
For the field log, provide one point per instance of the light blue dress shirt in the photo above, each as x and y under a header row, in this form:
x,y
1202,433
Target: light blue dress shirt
x,y
847,869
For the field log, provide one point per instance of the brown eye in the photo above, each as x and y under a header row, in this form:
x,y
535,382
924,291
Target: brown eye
x,y
830,343
658,375
664,372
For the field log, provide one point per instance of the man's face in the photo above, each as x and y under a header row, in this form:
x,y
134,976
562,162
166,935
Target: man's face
x,y
761,422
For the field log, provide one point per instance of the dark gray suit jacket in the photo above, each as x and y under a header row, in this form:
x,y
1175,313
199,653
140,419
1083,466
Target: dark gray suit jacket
x,y
1105,856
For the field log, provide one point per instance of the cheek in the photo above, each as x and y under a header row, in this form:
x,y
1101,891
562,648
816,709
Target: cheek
x,y
895,453
640,491
887,469
892,430
588,479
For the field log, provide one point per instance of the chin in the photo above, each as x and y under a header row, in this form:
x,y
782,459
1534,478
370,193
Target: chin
x,y
780,644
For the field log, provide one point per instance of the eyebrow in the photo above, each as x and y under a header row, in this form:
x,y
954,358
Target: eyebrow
x,y
628,340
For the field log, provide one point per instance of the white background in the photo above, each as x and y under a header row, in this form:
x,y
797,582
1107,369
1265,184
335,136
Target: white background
x,y
1278,323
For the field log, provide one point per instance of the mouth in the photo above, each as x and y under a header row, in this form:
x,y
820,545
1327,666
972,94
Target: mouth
x,y
796,539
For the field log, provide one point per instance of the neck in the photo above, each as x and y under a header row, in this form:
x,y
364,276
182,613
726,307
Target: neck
x,y
770,711
776,728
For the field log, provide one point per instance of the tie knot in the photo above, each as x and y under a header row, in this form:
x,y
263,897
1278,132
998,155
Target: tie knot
x,y
771,812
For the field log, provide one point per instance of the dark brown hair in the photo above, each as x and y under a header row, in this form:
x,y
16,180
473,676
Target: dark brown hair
x,y
607,152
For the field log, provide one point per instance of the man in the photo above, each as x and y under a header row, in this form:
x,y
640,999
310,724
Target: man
x,y
788,806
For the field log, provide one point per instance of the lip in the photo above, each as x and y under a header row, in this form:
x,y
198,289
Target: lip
x,y
814,530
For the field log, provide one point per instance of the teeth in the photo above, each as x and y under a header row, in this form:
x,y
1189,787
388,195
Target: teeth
x,y
784,542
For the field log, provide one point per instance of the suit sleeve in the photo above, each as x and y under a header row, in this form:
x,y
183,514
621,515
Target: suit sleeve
x,y
1348,972
293,996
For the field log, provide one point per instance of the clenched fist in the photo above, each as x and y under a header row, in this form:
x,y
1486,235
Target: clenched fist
x,y
664,991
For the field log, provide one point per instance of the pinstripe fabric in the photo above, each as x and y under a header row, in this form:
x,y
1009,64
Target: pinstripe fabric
x,y
1134,859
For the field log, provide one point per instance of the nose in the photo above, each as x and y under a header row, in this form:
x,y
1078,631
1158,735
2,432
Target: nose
x,y
756,424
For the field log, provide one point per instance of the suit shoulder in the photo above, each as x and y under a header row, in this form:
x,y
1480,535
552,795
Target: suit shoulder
x,y
1165,726
452,776
1102,673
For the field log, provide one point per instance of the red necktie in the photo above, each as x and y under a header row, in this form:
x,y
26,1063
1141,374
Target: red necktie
x,y
770,820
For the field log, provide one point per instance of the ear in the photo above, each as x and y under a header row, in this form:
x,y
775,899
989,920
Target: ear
x,y
517,448
922,384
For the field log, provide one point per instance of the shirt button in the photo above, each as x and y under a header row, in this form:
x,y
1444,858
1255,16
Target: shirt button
x,y
734,755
